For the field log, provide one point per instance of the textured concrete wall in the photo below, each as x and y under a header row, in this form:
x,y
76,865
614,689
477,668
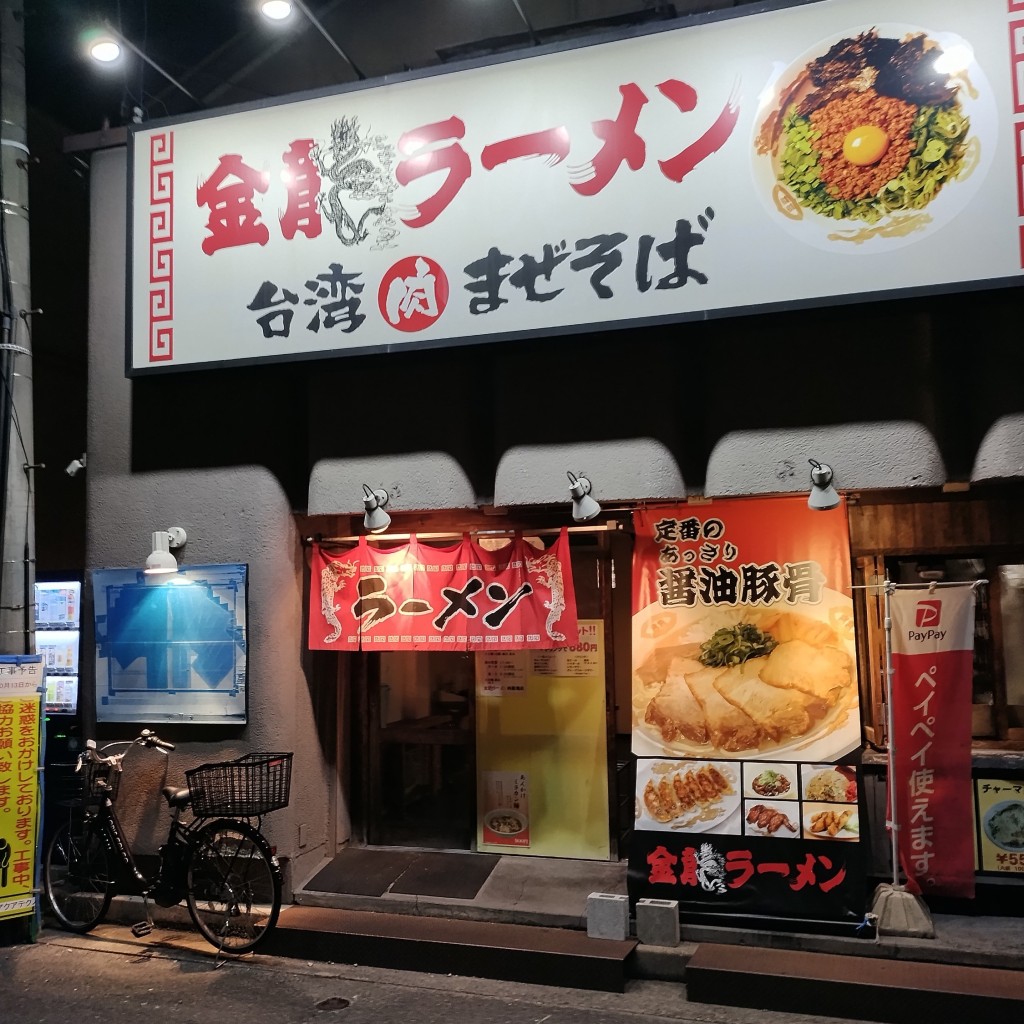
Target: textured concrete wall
x,y
234,514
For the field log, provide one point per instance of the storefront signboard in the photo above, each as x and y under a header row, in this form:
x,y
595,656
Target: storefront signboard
x,y
801,156
419,597
933,660
745,706
21,698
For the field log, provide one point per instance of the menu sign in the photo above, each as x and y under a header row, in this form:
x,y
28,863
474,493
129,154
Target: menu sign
x,y
416,597
684,172
745,700
1000,809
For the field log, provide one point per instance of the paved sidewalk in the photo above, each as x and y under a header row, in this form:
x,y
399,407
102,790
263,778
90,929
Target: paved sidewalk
x,y
553,892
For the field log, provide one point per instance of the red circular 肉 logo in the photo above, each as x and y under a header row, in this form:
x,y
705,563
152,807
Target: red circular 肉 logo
x,y
413,293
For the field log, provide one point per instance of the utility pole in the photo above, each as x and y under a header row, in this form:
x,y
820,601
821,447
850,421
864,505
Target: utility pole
x,y
17,462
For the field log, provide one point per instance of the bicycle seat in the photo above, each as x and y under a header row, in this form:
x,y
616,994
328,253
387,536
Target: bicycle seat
x,y
176,797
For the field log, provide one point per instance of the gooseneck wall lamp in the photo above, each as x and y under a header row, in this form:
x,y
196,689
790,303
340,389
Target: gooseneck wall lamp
x,y
160,559
823,495
584,507
375,519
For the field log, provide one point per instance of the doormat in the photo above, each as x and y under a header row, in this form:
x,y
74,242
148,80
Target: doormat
x,y
358,872
458,876
361,872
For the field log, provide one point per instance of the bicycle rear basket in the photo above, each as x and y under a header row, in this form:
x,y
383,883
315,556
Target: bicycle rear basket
x,y
249,786
100,779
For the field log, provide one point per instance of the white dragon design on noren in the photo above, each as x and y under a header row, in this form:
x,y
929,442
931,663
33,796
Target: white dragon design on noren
x,y
711,869
357,170
548,571
333,577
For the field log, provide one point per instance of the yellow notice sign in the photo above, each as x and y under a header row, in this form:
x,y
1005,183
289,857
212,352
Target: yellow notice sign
x,y
20,711
1001,824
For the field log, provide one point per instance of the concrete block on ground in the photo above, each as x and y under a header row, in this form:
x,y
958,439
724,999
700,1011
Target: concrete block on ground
x,y
657,922
607,916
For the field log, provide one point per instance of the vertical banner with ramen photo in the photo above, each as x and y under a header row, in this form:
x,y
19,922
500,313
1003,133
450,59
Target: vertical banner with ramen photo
x,y
745,706
933,661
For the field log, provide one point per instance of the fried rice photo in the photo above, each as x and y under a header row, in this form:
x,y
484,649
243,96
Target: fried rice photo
x,y
870,129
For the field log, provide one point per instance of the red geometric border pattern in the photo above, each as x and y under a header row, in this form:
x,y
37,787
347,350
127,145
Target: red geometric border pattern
x,y
1017,77
161,247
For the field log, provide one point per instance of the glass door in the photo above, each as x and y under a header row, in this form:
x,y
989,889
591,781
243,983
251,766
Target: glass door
x,y
421,751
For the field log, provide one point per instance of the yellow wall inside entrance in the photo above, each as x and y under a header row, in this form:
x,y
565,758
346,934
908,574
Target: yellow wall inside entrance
x,y
542,749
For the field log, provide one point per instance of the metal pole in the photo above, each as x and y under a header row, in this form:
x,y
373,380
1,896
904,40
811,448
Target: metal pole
x,y
316,24
149,60
894,826
17,463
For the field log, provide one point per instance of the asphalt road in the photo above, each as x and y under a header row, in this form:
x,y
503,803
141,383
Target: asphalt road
x,y
112,977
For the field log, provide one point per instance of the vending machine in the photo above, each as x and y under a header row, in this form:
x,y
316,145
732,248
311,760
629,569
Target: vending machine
x,y
58,622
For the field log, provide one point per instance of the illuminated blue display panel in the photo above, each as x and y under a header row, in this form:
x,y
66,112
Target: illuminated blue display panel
x,y
171,648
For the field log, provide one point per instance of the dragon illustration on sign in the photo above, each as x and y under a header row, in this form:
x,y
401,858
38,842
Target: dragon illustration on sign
x,y
356,171
333,578
548,571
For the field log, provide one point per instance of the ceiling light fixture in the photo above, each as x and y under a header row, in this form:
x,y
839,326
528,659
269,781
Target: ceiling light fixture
x,y
279,10
105,47
276,10
584,507
160,558
376,520
823,495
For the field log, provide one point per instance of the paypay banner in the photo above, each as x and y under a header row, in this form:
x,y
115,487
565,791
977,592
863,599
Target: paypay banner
x,y
794,156
933,660
418,597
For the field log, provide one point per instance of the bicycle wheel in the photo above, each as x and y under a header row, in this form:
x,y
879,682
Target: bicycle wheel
x,y
233,888
77,875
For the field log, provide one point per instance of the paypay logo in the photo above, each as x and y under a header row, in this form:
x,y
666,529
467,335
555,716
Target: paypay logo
x,y
928,615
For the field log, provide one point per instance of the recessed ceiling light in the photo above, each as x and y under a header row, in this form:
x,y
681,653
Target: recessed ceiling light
x,y
105,51
276,10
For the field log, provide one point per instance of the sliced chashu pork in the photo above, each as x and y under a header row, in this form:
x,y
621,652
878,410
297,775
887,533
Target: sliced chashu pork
x,y
729,727
822,672
778,713
674,710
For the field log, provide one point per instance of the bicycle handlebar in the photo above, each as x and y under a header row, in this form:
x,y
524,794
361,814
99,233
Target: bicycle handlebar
x,y
147,738
150,739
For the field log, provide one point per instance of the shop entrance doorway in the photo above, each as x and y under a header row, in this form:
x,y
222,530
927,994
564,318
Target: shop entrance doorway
x,y
421,751
442,741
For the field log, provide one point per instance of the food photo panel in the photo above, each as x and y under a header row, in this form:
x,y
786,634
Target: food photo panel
x,y
688,796
767,780
829,783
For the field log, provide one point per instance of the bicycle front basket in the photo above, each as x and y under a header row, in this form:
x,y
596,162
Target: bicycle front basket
x,y
249,786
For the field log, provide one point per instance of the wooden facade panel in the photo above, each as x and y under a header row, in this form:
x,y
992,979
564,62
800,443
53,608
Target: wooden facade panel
x,y
952,525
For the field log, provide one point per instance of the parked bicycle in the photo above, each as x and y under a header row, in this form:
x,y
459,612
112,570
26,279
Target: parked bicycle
x,y
218,862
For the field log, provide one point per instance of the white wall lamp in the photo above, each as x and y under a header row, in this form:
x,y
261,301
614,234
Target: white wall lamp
x,y
75,466
281,10
105,47
376,520
823,495
583,505
160,558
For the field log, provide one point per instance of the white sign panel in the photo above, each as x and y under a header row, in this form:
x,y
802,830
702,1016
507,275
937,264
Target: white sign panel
x,y
816,153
